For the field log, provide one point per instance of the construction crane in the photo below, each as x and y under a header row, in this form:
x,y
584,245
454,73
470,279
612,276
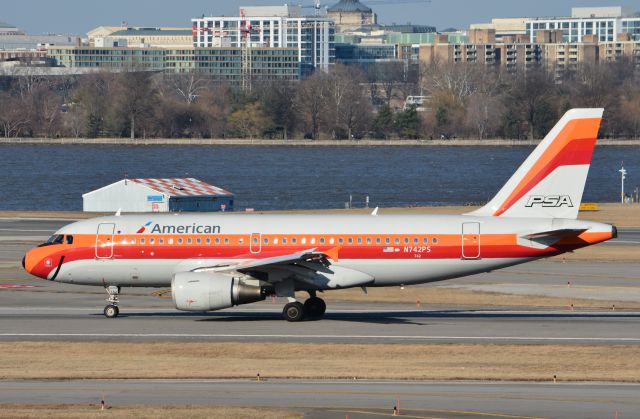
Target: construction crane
x,y
245,45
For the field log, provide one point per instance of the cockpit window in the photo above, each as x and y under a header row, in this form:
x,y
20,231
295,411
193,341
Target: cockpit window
x,y
69,239
55,239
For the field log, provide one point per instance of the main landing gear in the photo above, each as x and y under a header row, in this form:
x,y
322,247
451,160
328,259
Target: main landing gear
x,y
111,310
313,308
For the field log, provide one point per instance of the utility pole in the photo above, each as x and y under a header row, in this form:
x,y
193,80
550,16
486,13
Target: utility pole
x,y
623,176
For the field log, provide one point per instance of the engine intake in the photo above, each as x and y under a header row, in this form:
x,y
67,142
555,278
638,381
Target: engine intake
x,y
192,291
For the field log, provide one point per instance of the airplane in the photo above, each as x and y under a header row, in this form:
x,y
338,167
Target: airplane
x,y
214,262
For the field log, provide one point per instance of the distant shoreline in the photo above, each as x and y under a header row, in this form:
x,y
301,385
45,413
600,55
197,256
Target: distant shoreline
x,y
307,143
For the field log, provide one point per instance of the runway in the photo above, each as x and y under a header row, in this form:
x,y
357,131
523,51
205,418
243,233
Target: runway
x,y
355,399
147,318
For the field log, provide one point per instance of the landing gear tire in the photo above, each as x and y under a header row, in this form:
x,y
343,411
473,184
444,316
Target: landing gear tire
x,y
293,312
315,307
111,311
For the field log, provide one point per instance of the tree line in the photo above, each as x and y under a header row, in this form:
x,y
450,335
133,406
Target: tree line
x,y
461,100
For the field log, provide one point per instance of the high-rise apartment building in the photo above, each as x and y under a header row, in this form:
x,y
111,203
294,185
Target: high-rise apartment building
x,y
271,27
603,22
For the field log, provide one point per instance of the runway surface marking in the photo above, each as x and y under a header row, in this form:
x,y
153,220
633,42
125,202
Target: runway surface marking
x,y
15,286
320,337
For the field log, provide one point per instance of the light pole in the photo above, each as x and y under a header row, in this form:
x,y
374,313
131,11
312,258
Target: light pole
x,y
623,176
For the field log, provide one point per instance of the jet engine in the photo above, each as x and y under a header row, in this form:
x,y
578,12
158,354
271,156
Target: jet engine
x,y
193,291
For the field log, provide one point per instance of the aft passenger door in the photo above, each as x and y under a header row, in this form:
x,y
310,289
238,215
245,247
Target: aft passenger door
x,y
104,240
470,240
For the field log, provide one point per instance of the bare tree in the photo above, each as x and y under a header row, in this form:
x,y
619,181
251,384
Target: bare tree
x,y
136,94
186,86
13,117
310,101
215,104
482,110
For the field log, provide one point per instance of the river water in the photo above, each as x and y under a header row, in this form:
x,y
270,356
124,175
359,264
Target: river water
x,y
54,177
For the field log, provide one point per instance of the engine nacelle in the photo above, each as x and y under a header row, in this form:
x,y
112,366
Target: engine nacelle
x,y
192,291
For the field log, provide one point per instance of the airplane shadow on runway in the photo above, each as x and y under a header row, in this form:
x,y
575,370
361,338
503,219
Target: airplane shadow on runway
x,y
418,317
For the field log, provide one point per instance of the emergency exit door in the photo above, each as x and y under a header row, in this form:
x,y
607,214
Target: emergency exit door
x,y
470,240
104,240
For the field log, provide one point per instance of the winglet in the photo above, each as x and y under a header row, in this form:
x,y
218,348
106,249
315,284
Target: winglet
x,y
118,212
375,212
333,253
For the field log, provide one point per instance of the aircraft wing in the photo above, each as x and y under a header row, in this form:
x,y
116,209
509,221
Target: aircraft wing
x,y
311,259
313,267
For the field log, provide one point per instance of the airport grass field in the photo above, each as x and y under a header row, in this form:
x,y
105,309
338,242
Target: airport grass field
x,y
177,360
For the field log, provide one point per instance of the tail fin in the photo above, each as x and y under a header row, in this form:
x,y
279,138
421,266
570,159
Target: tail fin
x,y
550,183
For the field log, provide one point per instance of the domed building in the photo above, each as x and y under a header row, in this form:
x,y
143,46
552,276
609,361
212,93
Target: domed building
x,y
351,14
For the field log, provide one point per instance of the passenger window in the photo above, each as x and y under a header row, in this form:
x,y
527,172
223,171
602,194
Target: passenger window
x,y
226,241
387,240
426,240
208,241
170,241
180,240
240,240
275,241
294,240
255,240
284,240
359,240
378,240
217,240
340,240
415,240
198,240
406,240
397,240
313,240
350,240
141,241
303,240
434,240
266,240
368,240
69,239
160,241
321,240
133,241
331,240
152,241
189,240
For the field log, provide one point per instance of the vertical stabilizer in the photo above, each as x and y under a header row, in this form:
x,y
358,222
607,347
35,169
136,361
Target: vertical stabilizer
x,y
550,182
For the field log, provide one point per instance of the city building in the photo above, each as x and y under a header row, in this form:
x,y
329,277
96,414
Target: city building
x,y
603,22
271,27
141,36
504,26
351,14
224,65
9,29
158,195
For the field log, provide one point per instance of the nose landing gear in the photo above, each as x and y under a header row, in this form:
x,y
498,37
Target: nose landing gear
x,y
111,310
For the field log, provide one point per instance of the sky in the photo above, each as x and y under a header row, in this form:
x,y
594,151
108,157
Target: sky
x,y
77,17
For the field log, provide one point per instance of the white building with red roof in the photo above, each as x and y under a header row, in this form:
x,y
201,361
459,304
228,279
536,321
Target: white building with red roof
x,y
158,195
